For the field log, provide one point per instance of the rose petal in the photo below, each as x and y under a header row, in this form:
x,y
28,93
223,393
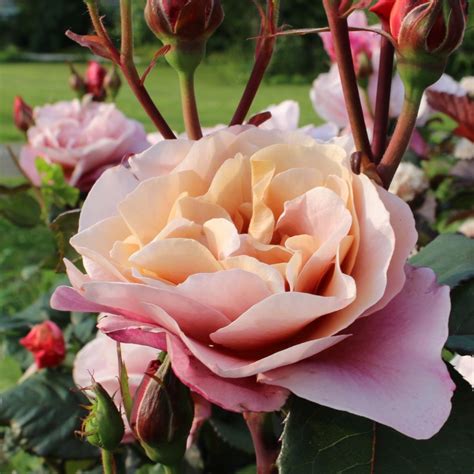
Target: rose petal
x,y
391,369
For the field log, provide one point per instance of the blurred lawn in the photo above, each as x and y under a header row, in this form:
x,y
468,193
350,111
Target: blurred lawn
x,y
218,90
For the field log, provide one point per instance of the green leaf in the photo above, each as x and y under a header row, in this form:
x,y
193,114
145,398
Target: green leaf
x,y
451,256
319,440
20,209
44,413
231,428
63,228
461,322
54,187
11,372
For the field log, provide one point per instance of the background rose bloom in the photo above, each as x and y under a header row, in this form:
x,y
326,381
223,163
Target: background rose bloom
x,y
83,137
264,266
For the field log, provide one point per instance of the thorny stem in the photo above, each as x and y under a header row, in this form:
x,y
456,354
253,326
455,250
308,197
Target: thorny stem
x,y
188,101
382,103
108,462
266,457
262,61
124,60
400,139
340,32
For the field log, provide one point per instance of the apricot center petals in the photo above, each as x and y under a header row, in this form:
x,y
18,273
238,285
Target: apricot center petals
x,y
198,210
147,208
275,319
175,260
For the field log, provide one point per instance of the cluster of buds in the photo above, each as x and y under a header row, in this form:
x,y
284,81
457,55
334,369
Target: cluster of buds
x,y
162,414
46,342
185,25
98,82
425,33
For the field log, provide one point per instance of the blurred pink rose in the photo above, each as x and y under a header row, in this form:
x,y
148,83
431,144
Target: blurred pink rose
x,y
264,266
83,137
98,359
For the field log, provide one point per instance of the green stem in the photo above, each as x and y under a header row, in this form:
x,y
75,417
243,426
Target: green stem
x,y
342,46
126,25
108,462
400,139
188,102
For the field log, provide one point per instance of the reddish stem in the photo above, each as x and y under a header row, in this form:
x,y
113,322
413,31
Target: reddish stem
x,y
382,104
266,457
342,46
400,140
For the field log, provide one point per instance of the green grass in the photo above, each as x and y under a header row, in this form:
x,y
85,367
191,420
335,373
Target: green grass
x,y
219,87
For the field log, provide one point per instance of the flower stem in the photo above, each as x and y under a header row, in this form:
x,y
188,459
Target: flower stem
x,y
400,140
266,457
265,48
108,462
342,45
382,104
188,102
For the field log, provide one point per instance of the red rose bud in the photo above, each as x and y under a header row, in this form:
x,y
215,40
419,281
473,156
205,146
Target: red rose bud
x,y
426,32
186,25
103,427
46,342
95,77
76,82
112,82
162,414
22,114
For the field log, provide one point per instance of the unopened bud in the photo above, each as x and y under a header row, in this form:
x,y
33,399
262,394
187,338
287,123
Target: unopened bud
x,y
112,82
22,114
103,427
186,25
426,33
76,82
95,77
162,414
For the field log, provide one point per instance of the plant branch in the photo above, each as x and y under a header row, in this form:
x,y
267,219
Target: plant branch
x,y
188,102
266,457
400,140
265,48
382,103
108,462
340,32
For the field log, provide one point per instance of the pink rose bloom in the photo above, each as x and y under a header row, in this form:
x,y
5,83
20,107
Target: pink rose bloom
x,y
83,137
98,359
264,266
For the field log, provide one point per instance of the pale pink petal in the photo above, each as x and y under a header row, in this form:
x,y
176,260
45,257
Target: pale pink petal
x,y
238,395
391,369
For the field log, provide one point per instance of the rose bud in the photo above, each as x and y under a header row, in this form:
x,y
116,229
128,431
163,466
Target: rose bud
x,y
425,32
22,114
186,25
95,77
46,342
103,427
112,82
162,414
76,81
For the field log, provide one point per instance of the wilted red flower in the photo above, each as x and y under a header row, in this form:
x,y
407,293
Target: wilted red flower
x,y
22,114
46,342
95,76
183,19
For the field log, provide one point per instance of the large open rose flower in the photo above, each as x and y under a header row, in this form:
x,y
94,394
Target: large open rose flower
x,y
83,137
264,266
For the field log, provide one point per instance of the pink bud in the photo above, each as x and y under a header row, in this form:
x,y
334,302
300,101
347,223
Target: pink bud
x,y
22,114
46,342
95,76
